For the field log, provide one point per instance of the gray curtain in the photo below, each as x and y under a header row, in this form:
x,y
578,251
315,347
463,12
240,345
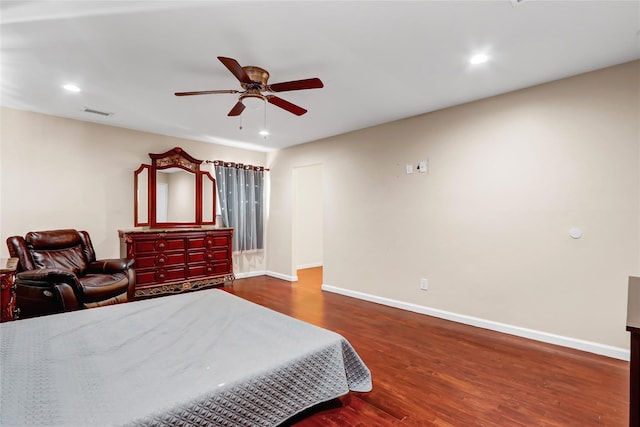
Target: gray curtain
x,y
241,200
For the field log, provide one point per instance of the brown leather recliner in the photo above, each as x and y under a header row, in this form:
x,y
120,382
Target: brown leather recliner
x,y
58,271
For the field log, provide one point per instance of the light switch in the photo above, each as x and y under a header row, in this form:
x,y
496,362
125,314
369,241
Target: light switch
x,y
422,166
409,168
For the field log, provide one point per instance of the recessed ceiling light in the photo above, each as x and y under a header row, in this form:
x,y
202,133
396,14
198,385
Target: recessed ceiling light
x,y
479,58
71,87
264,132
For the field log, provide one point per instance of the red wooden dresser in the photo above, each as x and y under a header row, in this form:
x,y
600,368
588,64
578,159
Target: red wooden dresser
x,y
173,260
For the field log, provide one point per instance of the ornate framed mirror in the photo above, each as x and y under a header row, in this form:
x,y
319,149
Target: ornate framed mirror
x,y
173,192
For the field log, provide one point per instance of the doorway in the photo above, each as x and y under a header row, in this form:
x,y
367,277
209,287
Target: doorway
x,y
307,219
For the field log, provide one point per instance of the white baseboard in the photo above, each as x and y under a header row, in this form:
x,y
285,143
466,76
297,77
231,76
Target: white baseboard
x,y
281,276
311,265
250,274
266,273
589,346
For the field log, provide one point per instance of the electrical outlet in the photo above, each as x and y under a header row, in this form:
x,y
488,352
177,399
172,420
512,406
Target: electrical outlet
x,y
424,285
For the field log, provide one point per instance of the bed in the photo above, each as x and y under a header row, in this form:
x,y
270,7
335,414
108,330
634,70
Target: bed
x,y
204,358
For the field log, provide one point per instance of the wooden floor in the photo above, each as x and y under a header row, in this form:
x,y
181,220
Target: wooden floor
x,y
432,372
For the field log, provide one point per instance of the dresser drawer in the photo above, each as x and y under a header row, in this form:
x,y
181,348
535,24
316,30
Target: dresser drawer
x,y
159,260
207,256
160,275
159,245
209,269
222,267
207,241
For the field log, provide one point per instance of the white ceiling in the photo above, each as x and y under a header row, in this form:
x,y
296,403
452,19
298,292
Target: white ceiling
x,y
379,60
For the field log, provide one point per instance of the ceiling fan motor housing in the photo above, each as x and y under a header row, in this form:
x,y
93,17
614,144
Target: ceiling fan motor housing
x,y
257,75
252,97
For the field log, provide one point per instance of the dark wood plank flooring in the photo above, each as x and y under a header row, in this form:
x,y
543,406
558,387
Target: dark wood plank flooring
x,y
432,372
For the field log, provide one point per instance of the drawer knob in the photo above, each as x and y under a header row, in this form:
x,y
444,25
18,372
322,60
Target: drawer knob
x,y
160,275
161,245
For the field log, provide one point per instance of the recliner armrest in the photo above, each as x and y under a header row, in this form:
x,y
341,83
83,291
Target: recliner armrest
x,y
118,265
50,289
48,276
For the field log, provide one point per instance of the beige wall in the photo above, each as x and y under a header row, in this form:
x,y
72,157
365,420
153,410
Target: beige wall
x,y
62,173
488,225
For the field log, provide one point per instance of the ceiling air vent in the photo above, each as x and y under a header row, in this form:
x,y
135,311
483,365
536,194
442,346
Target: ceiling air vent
x,y
100,113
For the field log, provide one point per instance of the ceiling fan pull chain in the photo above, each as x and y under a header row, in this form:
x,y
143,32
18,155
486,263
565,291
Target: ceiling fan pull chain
x,y
265,132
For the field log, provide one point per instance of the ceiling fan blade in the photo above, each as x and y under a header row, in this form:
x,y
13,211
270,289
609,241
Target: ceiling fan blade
x,y
314,83
236,69
205,92
237,109
286,105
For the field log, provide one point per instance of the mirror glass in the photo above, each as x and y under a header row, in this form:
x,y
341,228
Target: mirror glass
x,y
141,183
175,196
208,198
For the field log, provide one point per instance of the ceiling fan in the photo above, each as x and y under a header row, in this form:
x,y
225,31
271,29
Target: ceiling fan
x,y
254,81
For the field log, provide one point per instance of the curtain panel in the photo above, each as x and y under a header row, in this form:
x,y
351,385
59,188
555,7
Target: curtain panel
x,y
241,201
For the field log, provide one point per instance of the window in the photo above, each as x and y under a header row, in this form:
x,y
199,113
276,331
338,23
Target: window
x,y
241,201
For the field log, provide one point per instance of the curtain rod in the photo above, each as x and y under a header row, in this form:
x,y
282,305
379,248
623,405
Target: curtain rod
x,y
237,165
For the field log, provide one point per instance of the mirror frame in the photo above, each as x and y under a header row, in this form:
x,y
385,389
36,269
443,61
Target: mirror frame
x,y
174,158
206,175
136,196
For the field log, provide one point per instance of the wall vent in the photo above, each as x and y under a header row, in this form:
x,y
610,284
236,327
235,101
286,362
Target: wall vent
x,y
100,113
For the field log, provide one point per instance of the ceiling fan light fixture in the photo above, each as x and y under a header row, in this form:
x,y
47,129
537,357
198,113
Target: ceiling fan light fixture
x,y
253,102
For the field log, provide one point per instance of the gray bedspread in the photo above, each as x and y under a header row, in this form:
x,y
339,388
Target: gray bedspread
x,y
204,358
